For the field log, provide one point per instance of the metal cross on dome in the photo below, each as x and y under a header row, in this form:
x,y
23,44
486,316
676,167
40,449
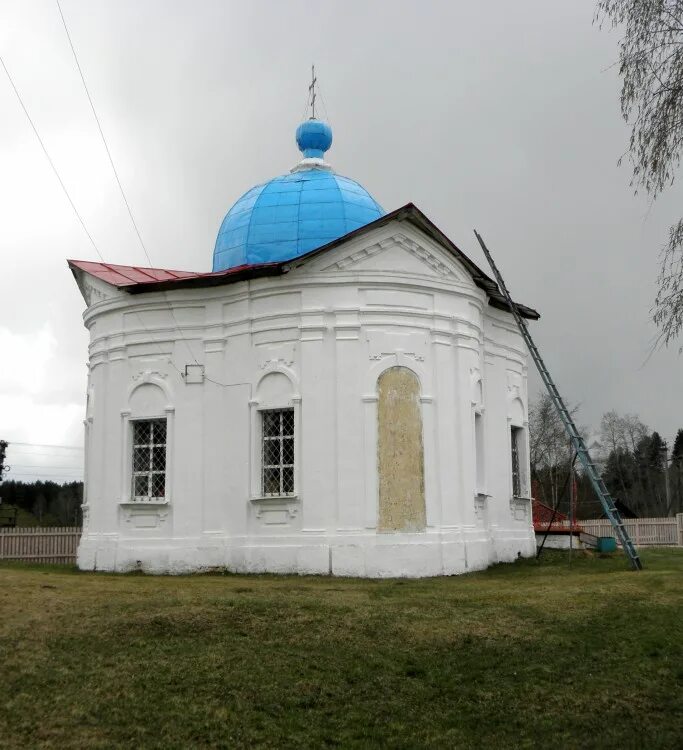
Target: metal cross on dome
x,y
311,91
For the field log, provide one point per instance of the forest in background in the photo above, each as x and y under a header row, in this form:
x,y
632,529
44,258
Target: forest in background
x,y
42,503
635,462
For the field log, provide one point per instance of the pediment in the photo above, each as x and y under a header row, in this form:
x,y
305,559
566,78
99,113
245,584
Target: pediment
x,y
396,252
93,289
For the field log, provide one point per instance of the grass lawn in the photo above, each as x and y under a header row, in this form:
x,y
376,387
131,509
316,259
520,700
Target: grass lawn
x,y
523,655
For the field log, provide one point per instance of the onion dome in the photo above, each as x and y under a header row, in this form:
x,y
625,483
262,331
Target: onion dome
x,y
297,212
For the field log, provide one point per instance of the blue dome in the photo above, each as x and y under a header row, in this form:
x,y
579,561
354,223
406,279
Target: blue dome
x,y
313,138
295,213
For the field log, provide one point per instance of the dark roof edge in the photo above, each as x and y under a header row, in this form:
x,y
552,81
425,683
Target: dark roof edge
x,y
210,279
410,212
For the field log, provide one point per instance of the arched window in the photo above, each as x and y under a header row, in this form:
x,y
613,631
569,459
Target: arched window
x,y
276,431
518,450
147,436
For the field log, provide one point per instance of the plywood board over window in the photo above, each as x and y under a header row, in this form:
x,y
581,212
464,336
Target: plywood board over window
x,y
400,452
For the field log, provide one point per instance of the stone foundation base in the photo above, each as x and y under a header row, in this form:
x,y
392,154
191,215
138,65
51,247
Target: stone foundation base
x,y
372,556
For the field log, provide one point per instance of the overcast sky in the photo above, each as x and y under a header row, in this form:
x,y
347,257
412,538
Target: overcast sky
x,y
501,116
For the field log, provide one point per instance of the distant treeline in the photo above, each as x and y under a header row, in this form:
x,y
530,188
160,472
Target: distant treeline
x,y
641,472
52,504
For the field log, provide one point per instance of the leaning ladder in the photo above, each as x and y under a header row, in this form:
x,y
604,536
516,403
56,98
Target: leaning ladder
x,y
578,442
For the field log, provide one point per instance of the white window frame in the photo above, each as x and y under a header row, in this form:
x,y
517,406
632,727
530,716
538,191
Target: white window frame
x,y
257,451
280,466
126,487
150,472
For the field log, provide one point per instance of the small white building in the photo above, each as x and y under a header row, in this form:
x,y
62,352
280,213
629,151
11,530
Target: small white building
x,y
345,393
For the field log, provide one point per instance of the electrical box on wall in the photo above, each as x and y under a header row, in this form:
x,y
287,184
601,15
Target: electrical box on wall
x,y
194,374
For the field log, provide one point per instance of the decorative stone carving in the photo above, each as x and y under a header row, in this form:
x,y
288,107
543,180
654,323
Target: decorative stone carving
x,y
519,508
435,263
366,252
148,376
145,516
272,357
412,355
91,293
400,240
401,346
514,384
289,509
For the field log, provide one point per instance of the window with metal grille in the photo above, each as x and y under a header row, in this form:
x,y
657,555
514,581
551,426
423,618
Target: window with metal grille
x,y
277,458
149,459
515,435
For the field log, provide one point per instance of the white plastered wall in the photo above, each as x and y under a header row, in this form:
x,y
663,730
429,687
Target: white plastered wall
x,y
315,339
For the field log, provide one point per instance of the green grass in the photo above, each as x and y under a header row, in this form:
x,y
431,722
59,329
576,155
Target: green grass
x,y
522,655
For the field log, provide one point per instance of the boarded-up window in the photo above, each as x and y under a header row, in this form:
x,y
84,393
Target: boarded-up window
x,y
400,452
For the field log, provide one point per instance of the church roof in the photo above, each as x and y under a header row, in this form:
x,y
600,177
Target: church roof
x,y
136,280
290,215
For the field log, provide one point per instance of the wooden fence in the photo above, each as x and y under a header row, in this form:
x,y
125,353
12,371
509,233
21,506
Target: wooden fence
x,y
40,544
645,531
59,544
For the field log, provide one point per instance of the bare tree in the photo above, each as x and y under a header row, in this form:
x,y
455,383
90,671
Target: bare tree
x,y
549,448
651,68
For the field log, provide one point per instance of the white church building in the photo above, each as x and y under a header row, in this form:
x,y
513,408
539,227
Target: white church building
x,y
345,393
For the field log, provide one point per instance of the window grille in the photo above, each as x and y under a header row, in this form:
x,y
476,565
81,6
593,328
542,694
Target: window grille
x,y
515,433
149,459
277,458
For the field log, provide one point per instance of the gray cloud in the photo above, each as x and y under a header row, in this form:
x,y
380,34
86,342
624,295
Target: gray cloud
x,y
501,116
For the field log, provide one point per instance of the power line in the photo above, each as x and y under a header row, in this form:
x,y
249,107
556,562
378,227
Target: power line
x,y
125,199
48,466
71,202
24,453
118,180
104,140
49,159
47,445
75,475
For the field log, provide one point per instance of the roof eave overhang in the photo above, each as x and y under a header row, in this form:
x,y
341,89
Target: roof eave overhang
x,y
410,213
210,280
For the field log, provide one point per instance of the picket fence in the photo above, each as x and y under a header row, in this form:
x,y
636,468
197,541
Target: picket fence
x,y
643,531
40,544
59,544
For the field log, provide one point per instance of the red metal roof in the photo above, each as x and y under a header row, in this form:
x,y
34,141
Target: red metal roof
x,y
545,519
136,278
121,276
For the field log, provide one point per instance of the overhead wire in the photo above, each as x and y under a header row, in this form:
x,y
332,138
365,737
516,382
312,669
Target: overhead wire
x,y
126,202
322,99
118,181
29,453
76,476
49,159
47,466
46,445
62,184
104,140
